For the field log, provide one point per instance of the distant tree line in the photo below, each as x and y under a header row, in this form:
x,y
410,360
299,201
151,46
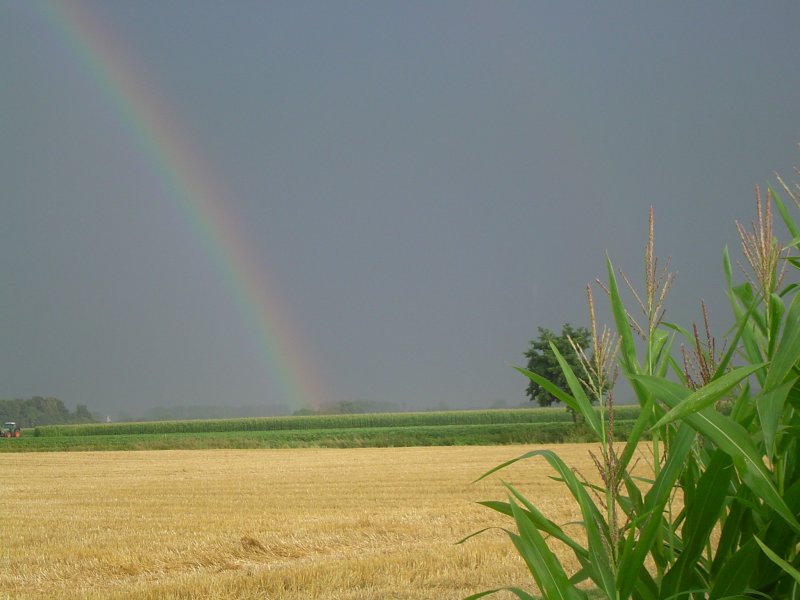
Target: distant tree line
x,y
35,411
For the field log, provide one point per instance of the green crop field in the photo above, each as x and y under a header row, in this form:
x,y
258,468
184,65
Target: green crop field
x,y
454,428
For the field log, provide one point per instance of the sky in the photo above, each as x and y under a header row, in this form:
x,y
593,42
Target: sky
x,y
285,204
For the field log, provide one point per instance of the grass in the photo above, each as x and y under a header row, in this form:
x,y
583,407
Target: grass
x,y
352,524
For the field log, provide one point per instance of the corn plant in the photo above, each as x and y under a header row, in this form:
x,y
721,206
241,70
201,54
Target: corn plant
x,y
717,514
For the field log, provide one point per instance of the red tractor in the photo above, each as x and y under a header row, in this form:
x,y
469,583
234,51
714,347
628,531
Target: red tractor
x,y
10,429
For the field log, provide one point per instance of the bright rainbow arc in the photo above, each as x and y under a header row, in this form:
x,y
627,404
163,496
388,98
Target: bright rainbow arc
x,y
199,195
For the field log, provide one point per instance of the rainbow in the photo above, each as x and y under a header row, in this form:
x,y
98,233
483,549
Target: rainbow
x,y
198,194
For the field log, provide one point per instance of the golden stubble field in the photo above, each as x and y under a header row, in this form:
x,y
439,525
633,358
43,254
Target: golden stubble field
x,y
270,524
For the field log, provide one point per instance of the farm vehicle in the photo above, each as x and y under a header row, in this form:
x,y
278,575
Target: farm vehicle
x,y
9,430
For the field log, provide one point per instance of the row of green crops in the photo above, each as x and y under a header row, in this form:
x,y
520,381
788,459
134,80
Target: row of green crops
x,y
316,422
368,437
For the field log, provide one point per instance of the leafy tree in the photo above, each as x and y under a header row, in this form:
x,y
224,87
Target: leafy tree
x,y
542,361
35,411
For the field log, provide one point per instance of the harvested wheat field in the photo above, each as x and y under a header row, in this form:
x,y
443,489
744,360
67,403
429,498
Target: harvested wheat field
x,y
326,524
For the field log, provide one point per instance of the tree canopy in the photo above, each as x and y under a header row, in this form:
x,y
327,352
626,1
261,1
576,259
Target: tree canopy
x,y
542,361
42,411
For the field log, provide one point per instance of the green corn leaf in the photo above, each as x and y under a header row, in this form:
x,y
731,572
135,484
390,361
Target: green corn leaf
x,y
542,563
788,351
538,519
788,289
770,409
501,507
787,568
729,436
584,406
726,266
637,547
736,573
505,464
702,514
580,576
657,343
627,346
476,533
634,493
679,450
521,594
781,539
743,411
776,310
729,536
592,520
646,588
642,421
678,371
665,364
707,395
795,593
681,330
544,524
785,215
551,388
592,517
741,326
744,292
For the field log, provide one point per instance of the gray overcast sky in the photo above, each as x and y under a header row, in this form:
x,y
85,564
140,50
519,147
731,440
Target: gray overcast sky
x,y
427,182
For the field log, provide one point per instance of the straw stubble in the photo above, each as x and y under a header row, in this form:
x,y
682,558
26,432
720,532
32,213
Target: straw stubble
x,y
288,524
